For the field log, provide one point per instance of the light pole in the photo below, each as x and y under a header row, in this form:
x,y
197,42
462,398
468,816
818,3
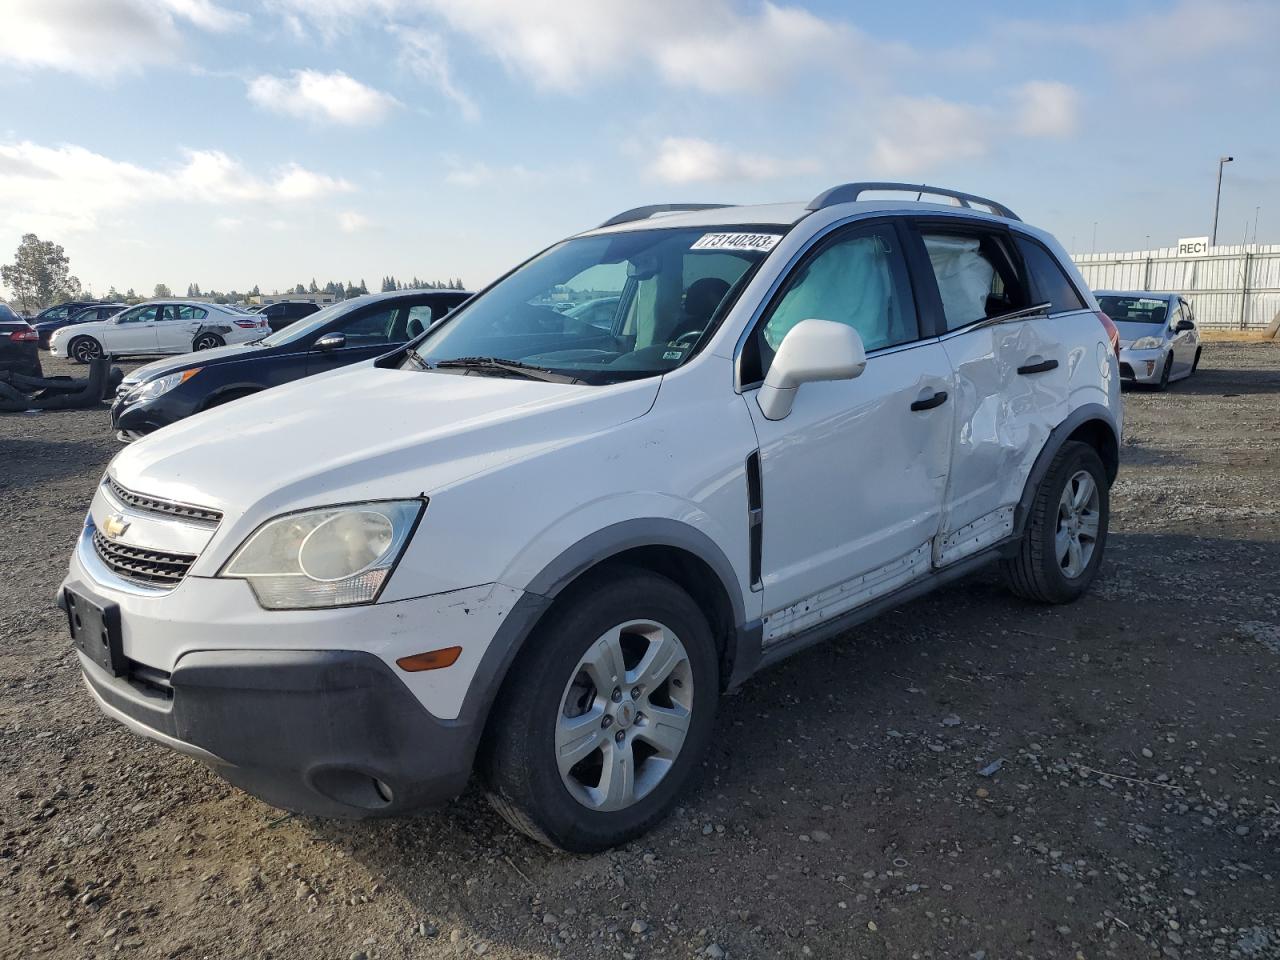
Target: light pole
x,y
1213,240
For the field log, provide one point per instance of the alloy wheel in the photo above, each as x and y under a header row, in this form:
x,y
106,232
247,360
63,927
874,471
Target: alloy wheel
x,y
87,350
1078,518
624,715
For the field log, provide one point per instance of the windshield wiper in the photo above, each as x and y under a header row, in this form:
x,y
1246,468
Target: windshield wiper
x,y
417,359
514,367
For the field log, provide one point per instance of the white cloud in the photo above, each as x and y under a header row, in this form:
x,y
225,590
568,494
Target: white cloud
x,y
693,160
917,133
423,53
349,221
1047,109
67,188
478,174
103,38
717,46
313,95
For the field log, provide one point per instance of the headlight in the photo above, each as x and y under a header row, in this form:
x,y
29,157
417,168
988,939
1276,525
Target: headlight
x,y
161,385
1147,343
331,557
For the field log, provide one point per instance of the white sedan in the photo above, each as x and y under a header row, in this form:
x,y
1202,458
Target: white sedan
x,y
158,327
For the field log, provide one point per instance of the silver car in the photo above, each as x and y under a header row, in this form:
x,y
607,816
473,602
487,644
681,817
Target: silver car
x,y
1159,340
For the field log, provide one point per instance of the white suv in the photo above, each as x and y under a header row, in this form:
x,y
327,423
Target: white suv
x,y
544,547
158,327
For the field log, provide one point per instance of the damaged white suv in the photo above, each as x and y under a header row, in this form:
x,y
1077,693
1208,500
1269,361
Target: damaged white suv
x,y
543,543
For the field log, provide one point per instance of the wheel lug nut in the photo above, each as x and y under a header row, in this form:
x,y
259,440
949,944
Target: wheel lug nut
x,y
619,736
635,693
616,696
606,722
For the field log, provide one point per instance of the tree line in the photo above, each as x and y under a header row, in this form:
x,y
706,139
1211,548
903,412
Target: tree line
x,y
40,276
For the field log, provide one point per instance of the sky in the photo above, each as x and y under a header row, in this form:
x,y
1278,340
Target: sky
x,y
232,144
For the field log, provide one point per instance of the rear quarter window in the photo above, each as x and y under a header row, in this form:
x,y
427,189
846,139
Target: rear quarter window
x,y
1050,281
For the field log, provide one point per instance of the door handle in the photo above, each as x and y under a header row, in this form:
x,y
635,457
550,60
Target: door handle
x,y
928,403
1044,366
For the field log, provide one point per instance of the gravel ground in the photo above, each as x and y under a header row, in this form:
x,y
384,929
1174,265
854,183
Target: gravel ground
x,y
848,807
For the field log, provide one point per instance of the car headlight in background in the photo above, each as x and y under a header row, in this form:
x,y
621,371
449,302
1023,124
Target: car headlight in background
x,y
329,557
151,389
1147,343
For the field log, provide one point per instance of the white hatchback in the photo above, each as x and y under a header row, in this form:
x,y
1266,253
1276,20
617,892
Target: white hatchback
x,y
158,327
541,545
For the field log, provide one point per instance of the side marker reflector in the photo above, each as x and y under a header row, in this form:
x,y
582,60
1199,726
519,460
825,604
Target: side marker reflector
x,y
431,660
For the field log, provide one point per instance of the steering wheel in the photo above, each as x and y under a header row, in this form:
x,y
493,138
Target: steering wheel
x,y
690,335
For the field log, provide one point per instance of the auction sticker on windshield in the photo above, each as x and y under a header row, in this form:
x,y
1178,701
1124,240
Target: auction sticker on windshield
x,y
737,241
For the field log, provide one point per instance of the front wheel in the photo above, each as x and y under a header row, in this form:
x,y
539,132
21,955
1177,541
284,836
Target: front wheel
x,y
84,349
1066,530
1164,374
207,341
1195,364
604,719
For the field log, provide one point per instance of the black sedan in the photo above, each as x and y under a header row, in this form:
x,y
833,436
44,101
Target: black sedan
x,y
66,314
17,345
342,333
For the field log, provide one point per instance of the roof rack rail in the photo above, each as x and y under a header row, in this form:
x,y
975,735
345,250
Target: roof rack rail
x,y
848,192
644,213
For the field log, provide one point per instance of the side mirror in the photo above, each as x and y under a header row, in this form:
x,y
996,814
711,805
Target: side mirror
x,y
812,350
1183,326
331,341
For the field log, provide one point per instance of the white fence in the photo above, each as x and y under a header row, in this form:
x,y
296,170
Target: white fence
x,y
1234,287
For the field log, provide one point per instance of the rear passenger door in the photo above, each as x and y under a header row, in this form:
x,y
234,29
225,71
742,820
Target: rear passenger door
x,y
1011,375
853,477
176,327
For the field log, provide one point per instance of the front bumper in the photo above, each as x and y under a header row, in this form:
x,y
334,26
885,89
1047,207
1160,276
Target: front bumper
x,y
1141,366
321,732
131,421
280,704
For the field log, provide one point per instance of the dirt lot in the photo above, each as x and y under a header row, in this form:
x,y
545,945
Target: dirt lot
x,y
842,814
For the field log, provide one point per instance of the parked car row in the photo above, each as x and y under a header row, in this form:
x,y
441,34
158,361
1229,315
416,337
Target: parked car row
x,y
157,327
541,545
343,333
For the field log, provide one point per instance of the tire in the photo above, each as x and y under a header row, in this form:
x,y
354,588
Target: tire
x,y
208,341
84,349
1164,374
1195,364
1039,571
549,693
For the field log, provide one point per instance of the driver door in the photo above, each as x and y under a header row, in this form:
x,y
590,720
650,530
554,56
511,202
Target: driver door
x,y
368,333
853,478
133,331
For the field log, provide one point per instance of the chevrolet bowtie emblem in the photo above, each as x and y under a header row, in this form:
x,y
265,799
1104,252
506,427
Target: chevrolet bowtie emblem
x,y
115,525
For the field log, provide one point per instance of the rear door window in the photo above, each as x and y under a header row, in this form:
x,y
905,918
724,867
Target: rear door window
x,y
1051,283
976,276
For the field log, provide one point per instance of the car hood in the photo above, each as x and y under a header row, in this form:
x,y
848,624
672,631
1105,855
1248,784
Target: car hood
x,y
201,358
365,432
1130,330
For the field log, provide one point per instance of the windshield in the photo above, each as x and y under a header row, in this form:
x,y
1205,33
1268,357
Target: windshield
x,y
605,308
1134,309
310,324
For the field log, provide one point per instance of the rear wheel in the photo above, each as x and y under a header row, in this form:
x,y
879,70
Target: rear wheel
x,y
84,349
1066,530
606,716
207,341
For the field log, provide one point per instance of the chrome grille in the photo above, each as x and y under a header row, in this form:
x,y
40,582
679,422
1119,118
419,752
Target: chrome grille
x,y
168,508
154,568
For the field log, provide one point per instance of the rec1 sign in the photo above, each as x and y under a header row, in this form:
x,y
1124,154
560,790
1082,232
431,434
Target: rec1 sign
x,y
1193,246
